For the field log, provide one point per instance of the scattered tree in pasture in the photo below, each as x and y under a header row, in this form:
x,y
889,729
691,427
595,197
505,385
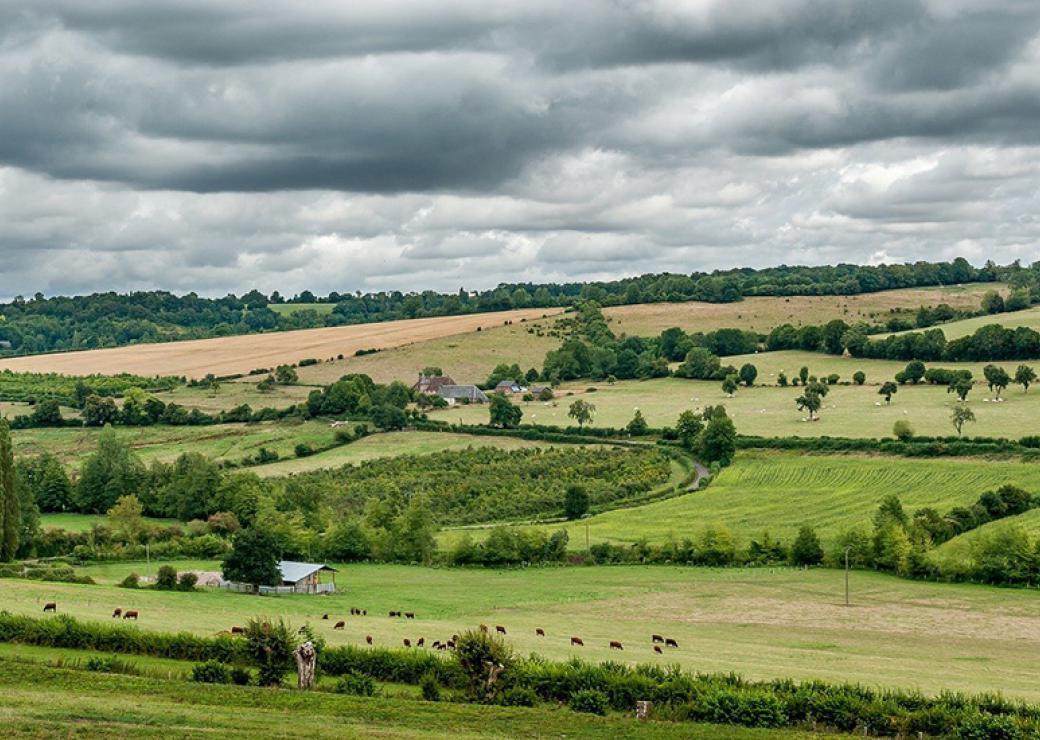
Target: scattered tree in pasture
x,y
997,378
992,302
810,401
806,549
575,502
730,385
960,416
961,386
10,512
126,518
638,426
748,373
1025,376
781,379
803,375
902,430
688,428
98,411
253,559
504,413
47,414
582,412
859,377
545,394
914,371
888,389
286,375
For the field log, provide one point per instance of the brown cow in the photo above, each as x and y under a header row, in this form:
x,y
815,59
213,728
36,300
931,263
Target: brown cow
x,y
656,638
368,639
615,645
407,642
658,650
484,628
324,616
238,630
421,641
539,631
130,614
409,615
117,613
339,625
301,631
50,606
577,641
669,642
500,629
451,644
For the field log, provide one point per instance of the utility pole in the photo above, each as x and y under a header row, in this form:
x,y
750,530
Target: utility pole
x,y
847,574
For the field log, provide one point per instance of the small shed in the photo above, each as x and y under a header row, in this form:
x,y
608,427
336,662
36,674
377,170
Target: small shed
x,y
508,388
305,578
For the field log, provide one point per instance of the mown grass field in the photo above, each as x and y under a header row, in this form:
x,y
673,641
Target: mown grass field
x,y
762,623
771,411
762,314
287,309
779,492
235,393
83,522
39,701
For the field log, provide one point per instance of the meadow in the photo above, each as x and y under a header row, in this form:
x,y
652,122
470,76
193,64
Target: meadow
x,y
83,522
848,410
287,309
1029,317
241,353
762,314
762,623
779,492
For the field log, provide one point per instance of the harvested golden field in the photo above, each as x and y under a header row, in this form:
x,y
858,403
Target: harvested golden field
x,y
240,354
762,314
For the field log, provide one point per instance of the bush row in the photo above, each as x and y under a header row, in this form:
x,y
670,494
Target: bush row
x,y
914,447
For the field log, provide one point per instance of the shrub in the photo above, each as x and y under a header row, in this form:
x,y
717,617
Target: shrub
x,y
212,671
166,580
271,647
902,430
187,581
590,701
431,690
131,581
475,651
356,684
519,696
241,676
303,450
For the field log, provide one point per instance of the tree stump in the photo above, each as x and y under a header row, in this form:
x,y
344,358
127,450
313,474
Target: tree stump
x,y
643,710
306,657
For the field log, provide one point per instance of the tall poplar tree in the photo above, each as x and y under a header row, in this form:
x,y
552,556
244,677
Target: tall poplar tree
x,y
10,517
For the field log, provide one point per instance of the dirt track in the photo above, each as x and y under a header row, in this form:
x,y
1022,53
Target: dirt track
x,y
240,354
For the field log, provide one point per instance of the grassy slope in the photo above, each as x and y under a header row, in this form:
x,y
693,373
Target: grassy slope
x,y
762,623
959,548
38,701
388,445
771,411
780,492
83,522
1029,317
468,358
287,309
231,394
762,314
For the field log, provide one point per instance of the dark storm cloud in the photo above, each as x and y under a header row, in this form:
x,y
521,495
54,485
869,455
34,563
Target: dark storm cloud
x,y
409,144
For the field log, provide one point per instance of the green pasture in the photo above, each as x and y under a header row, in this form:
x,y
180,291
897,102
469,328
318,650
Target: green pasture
x,y
287,309
779,492
762,623
959,548
219,441
1029,317
42,701
390,444
230,394
771,411
83,522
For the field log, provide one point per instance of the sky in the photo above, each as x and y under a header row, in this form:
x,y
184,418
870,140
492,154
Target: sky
x,y
403,145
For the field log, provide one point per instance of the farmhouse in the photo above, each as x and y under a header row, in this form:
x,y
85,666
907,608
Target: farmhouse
x,y
461,394
430,384
508,388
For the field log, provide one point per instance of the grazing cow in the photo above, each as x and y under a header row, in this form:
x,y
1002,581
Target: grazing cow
x,y
658,650
577,641
421,641
364,612
339,625
409,615
454,638
484,628
117,613
451,644
130,614
407,642
539,631
615,645
657,638
669,642
368,639
301,631
395,614
50,606
238,630
436,645
324,616
441,646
